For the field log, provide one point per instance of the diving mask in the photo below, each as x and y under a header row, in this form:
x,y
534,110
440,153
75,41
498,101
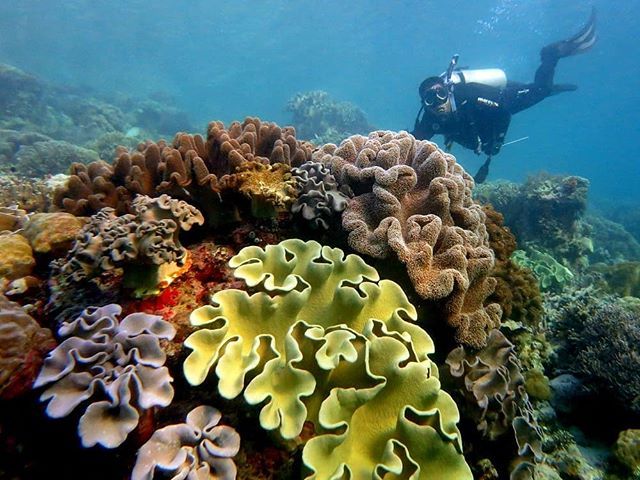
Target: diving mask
x,y
436,95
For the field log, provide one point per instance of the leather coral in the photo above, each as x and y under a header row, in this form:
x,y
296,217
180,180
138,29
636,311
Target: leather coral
x,y
413,201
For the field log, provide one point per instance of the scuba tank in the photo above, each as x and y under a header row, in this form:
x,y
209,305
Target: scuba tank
x,y
492,77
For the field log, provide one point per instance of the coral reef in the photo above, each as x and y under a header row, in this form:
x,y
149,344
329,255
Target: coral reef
x,y
621,279
319,118
413,201
199,449
599,341
29,194
325,341
319,201
23,345
612,243
493,386
517,291
203,173
547,211
79,116
120,360
626,215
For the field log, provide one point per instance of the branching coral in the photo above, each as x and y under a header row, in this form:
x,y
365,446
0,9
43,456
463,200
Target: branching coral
x,y
202,172
145,244
198,449
493,385
323,340
414,201
103,356
318,198
600,342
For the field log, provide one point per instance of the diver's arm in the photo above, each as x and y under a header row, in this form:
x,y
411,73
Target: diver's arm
x,y
493,137
422,128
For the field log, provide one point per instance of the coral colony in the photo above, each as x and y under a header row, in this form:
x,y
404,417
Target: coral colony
x,y
247,304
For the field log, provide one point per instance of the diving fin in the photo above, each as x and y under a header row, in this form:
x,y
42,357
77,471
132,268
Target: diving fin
x,y
579,43
563,87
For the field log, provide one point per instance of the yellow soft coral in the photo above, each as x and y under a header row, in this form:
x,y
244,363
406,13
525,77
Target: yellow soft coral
x,y
324,340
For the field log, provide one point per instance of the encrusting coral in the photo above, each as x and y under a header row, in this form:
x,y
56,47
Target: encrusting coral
x,y
324,341
17,259
145,244
197,449
414,201
52,233
319,200
202,172
103,356
23,344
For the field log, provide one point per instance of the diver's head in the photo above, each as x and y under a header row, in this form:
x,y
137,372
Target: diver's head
x,y
435,95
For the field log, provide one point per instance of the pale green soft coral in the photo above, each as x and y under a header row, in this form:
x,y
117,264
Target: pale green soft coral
x,y
324,340
404,426
550,273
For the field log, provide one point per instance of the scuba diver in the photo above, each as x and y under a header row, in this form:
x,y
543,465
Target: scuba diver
x,y
474,107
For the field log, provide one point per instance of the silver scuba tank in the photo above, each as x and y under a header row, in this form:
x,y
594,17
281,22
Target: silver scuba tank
x,y
492,77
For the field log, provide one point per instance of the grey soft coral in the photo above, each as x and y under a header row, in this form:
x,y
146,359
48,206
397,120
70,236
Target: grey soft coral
x,y
105,357
199,449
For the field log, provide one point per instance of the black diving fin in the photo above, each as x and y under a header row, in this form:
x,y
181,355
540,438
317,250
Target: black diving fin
x,y
581,42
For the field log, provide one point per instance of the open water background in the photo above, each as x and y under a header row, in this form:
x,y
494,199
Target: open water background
x,y
227,60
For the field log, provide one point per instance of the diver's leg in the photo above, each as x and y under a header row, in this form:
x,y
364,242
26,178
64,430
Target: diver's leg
x,y
581,42
517,97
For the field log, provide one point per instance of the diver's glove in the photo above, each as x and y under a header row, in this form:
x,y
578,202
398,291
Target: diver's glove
x,y
579,43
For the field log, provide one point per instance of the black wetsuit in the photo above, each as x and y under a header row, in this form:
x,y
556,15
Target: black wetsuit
x,y
483,113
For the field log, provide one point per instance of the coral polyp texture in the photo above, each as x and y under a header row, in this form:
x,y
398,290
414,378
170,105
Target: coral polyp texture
x,y
413,201
190,168
197,449
324,340
145,244
105,357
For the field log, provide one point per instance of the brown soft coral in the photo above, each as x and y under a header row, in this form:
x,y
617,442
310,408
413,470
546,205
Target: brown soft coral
x,y
493,387
203,172
414,201
517,290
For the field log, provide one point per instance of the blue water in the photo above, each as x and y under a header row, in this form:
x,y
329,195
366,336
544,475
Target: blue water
x,y
226,60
